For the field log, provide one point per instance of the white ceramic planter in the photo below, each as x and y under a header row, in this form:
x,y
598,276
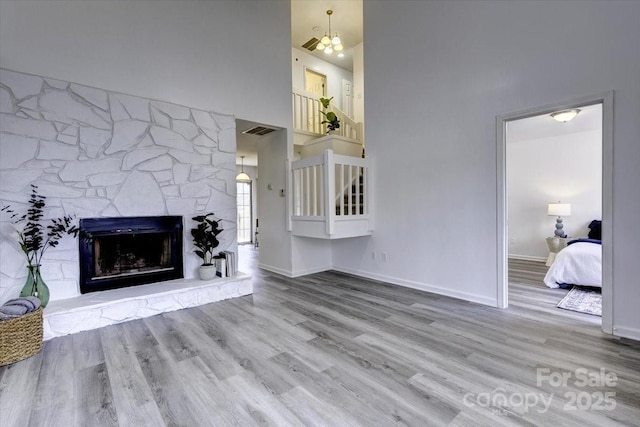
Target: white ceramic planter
x,y
207,272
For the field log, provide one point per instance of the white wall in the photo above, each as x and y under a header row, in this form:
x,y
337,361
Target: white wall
x,y
215,55
225,56
310,255
301,59
539,171
94,153
436,78
275,242
358,83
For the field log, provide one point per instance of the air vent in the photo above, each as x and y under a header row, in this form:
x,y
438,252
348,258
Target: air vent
x,y
259,130
311,44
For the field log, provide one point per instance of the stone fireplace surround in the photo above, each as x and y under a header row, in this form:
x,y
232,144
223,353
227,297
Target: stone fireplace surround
x,y
98,153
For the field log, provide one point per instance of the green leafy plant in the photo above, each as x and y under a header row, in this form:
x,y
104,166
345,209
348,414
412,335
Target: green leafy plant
x,y
33,235
205,236
331,120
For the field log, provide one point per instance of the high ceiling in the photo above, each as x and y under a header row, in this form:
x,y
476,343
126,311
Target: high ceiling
x,y
309,19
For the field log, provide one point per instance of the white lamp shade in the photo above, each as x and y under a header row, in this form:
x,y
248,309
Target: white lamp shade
x,y
325,40
243,177
559,209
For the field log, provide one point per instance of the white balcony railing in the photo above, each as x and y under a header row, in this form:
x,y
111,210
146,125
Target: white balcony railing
x,y
331,196
307,117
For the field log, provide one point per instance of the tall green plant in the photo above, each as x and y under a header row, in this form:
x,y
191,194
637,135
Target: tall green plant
x,y
331,120
34,237
205,236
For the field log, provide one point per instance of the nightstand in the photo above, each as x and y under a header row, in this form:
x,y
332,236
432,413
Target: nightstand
x,y
555,244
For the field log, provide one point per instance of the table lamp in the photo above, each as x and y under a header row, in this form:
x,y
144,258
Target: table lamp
x,y
559,209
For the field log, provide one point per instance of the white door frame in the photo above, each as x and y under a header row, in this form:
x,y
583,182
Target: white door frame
x,y
347,97
606,99
323,77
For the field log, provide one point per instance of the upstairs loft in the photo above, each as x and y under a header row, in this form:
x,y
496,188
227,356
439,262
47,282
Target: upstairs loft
x,y
308,118
331,182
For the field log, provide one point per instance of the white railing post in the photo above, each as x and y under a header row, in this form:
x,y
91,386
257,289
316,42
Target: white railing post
x,y
359,204
350,190
341,190
368,187
329,184
365,190
321,190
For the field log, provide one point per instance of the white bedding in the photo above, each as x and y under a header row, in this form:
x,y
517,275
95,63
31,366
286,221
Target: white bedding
x,y
577,264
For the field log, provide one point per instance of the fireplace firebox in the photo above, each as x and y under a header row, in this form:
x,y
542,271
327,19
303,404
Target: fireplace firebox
x,y
129,251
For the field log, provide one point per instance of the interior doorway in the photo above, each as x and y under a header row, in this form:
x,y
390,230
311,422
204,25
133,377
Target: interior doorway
x,y
606,100
315,82
551,161
244,211
347,97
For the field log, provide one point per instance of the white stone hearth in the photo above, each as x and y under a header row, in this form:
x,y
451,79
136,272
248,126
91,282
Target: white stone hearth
x,y
98,309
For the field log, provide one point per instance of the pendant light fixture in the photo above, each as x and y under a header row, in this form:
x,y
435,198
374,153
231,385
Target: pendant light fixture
x,y
328,44
242,177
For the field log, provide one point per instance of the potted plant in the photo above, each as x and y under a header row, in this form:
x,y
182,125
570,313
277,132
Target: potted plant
x,y
35,238
205,239
330,118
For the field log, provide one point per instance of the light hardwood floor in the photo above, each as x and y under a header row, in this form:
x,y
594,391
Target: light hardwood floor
x,y
329,350
527,290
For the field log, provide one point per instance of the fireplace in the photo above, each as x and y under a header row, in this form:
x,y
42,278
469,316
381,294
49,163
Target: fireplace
x,y
129,251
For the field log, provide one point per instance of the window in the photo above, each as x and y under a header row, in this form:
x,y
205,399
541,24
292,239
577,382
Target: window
x,y
244,211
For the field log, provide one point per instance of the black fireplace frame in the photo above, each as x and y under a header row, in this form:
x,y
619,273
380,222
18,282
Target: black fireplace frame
x,y
97,227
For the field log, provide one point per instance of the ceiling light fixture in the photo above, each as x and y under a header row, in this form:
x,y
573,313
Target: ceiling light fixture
x,y
565,115
328,44
242,177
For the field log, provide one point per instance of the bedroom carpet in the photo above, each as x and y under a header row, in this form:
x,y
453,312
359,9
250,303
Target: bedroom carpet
x,y
583,300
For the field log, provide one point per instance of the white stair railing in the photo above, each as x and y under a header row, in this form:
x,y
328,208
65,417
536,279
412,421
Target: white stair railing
x,y
330,189
307,113
307,117
348,127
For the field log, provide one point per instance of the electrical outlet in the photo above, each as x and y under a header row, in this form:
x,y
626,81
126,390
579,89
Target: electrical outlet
x,y
513,241
373,255
384,257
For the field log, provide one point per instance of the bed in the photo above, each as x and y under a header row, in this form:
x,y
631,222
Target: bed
x,y
580,263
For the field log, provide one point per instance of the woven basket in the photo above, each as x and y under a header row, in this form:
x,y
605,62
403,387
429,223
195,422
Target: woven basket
x,y
20,337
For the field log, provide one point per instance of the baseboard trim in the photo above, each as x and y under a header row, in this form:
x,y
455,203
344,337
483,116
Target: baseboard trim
x,y
273,269
422,287
292,274
299,273
625,332
527,257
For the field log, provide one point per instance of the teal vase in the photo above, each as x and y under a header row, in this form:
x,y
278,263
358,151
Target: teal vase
x,y
35,286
